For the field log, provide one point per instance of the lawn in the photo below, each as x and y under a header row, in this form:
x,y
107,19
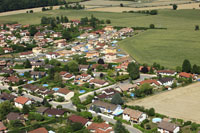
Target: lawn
x,y
168,47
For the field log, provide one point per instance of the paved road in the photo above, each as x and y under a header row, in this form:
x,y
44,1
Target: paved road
x,y
83,97
130,128
67,105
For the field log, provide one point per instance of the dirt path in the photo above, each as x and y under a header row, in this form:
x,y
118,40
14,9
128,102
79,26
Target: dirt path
x,y
121,9
180,103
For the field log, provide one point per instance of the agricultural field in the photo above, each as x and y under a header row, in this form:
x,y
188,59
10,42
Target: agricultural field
x,y
168,47
180,103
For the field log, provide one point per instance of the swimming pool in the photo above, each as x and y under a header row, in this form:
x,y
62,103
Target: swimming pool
x,y
55,89
21,74
82,91
121,55
156,120
29,82
45,85
132,94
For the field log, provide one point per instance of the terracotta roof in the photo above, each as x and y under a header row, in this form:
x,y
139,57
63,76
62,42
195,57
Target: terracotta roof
x,y
21,100
100,127
2,126
26,53
98,81
167,126
84,75
68,76
166,71
150,81
186,75
135,114
63,91
39,130
13,79
63,72
79,119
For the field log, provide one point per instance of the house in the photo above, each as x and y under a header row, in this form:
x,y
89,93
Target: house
x,y
37,74
41,110
166,72
126,87
152,82
68,76
105,107
123,60
63,92
12,116
12,79
107,94
5,96
167,127
83,68
7,50
52,55
109,57
26,54
2,127
186,75
79,119
38,50
166,81
39,130
21,101
134,115
92,54
37,64
55,112
100,128
30,88
99,82
109,28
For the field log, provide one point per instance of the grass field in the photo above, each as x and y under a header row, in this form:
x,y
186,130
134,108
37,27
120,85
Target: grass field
x,y
180,103
167,47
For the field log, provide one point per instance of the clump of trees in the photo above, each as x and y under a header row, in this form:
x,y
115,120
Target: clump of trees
x,y
187,67
77,6
151,12
116,99
10,5
174,6
54,20
145,89
133,70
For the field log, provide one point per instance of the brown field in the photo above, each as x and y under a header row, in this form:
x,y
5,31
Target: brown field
x,y
180,103
121,9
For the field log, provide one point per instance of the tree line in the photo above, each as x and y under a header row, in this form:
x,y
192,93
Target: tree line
x,y
10,5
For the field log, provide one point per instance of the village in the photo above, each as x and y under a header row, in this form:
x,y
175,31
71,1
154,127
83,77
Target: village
x,y
87,80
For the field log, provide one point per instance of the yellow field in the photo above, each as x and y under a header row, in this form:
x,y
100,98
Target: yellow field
x,y
180,103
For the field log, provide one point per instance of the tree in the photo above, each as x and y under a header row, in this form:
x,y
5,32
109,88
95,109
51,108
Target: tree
x,y
174,85
151,26
5,108
101,75
119,128
25,109
108,21
151,112
186,67
66,35
33,30
116,99
1,50
178,69
121,5
144,69
97,119
46,61
174,6
196,27
153,12
57,77
145,89
195,69
51,73
73,66
194,127
27,64
100,61
86,115
133,70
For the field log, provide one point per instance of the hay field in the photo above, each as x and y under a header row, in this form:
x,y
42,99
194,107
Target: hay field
x,y
180,103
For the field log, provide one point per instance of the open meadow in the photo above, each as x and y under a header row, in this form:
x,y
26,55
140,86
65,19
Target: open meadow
x,y
168,47
180,103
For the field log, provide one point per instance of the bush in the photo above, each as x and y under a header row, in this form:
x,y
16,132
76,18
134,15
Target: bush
x,y
151,26
153,12
174,6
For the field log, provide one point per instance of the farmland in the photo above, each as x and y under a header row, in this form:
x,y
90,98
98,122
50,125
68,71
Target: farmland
x,y
180,103
168,47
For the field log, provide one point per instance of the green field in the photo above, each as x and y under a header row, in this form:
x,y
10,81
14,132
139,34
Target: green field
x,y
167,47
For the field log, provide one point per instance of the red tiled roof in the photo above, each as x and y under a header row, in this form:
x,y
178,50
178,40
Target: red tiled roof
x,y
2,127
26,53
79,119
150,81
39,130
21,100
68,76
63,91
186,75
166,71
100,127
